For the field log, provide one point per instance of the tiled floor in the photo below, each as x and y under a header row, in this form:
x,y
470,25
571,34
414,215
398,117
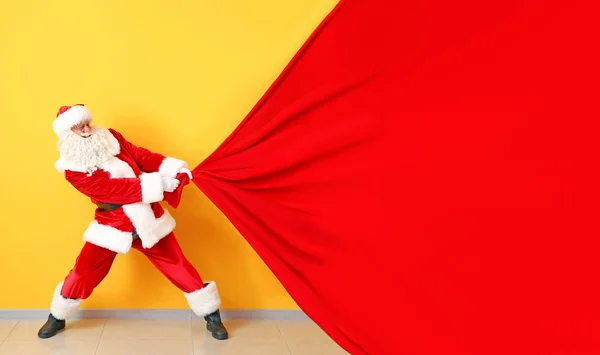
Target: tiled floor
x,y
160,337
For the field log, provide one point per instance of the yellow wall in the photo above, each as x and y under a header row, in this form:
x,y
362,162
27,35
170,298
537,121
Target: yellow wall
x,y
174,78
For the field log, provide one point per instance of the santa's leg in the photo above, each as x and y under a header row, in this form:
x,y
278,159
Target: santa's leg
x,y
203,298
91,267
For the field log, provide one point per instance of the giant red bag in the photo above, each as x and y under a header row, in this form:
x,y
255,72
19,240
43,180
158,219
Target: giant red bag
x,y
423,177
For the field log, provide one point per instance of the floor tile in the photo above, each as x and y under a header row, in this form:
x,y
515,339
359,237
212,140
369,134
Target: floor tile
x,y
315,348
53,346
6,326
301,331
147,329
173,337
146,347
75,329
238,346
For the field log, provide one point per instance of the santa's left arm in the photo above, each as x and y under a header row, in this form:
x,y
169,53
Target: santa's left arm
x,y
153,162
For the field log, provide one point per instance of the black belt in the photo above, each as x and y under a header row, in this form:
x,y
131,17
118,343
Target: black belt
x,y
107,207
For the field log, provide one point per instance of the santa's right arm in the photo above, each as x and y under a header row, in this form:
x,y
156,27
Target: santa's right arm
x,y
100,186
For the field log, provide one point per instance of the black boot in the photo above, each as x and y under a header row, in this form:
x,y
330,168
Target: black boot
x,y
215,326
51,327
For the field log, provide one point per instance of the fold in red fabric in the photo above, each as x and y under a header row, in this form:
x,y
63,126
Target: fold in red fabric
x,y
174,198
422,178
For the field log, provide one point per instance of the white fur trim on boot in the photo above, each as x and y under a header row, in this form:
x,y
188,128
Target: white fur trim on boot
x,y
170,166
205,300
63,308
152,189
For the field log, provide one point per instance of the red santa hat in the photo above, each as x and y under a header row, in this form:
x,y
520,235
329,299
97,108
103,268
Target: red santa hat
x,y
69,116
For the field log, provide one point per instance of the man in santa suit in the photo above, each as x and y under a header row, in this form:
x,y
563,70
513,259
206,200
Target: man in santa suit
x,y
126,183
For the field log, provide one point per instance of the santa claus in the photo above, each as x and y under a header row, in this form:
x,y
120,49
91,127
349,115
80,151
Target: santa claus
x,y
126,183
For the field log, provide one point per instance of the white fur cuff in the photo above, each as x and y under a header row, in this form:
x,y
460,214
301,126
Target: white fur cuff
x,y
63,308
205,300
170,166
152,190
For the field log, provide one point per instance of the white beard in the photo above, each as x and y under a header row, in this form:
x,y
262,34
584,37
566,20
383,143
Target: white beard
x,y
88,153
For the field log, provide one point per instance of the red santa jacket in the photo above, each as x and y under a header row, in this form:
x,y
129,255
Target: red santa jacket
x,y
132,178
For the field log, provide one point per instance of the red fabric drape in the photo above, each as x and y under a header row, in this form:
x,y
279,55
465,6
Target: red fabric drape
x,y
423,179
174,198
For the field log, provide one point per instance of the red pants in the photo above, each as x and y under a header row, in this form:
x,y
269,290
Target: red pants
x,y
94,262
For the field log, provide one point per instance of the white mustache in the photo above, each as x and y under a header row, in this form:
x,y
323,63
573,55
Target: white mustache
x,y
86,135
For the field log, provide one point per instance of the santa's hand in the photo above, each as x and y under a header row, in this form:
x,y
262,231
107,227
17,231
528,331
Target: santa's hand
x,y
186,171
169,184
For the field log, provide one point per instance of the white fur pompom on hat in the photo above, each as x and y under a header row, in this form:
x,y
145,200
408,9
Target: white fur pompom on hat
x,y
69,116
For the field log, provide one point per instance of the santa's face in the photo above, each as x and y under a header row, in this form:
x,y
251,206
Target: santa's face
x,y
83,129
86,146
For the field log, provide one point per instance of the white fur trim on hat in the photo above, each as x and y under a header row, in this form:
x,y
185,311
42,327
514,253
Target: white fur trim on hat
x,y
205,300
61,307
69,118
